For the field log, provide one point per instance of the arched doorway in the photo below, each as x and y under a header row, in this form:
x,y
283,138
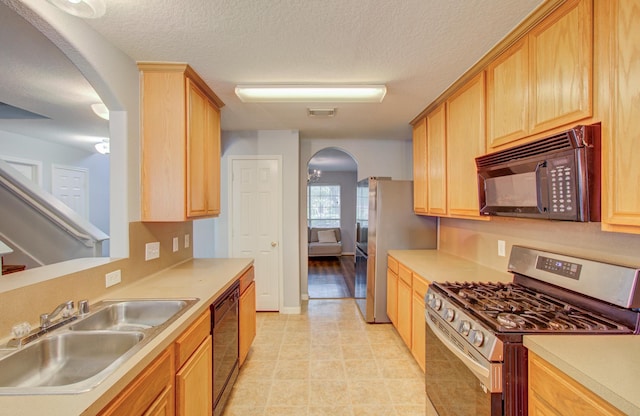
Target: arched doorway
x,y
331,198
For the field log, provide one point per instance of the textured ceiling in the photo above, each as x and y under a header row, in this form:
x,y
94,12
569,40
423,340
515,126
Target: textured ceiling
x,y
416,47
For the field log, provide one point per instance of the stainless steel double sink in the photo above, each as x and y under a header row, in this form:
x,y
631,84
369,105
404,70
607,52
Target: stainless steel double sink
x,y
80,355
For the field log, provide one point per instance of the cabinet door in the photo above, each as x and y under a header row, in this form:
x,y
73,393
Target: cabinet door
x,y
212,152
465,141
437,162
146,391
552,392
418,331
420,167
392,297
560,53
419,290
621,134
508,95
194,383
247,310
404,311
163,405
197,138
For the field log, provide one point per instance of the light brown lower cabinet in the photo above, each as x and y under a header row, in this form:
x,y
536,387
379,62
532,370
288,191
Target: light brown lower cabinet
x,y
418,289
405,306
553,393
194,362
392,297
193,383
247,312
151,393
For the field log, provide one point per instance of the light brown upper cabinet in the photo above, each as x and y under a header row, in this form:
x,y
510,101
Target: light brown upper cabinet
x,y
437,162
420,167
619,64
544,81
180,136
508,95
465,126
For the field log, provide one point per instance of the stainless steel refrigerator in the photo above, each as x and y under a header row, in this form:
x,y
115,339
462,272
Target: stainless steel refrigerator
x,y
385,221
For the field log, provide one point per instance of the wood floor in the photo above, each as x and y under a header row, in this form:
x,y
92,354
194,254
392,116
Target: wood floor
x,y
331,277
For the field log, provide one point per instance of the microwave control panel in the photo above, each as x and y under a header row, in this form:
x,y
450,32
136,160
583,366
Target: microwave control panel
x,y
561,182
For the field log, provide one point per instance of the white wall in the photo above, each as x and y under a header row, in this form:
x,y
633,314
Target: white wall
x,y
375,157
49,153
211,236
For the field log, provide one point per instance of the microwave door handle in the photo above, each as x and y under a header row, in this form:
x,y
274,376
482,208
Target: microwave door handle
x,y
539,178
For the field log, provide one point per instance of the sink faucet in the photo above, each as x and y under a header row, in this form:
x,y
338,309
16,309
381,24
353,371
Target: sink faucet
x,y
66,308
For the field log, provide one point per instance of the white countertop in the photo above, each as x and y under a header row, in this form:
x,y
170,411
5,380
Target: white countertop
x,y
608,365
437,266
205,279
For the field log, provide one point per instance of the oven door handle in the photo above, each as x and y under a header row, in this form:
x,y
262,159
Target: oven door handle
x,y
482,373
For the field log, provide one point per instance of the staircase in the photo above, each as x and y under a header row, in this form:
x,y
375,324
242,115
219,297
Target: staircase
x,y
40,228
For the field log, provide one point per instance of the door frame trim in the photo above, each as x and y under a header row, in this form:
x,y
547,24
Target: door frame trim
x,y
278,159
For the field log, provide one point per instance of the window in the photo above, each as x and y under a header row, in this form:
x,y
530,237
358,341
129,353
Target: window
x,y
323,205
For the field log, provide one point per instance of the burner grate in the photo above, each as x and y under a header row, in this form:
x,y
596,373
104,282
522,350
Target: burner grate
x,y
509,307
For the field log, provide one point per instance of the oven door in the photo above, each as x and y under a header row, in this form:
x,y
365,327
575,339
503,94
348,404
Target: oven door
x,y
456,384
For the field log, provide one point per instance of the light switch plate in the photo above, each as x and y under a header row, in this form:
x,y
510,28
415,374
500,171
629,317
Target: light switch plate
x,y
186,241
502,250
175,244
152,251
112,278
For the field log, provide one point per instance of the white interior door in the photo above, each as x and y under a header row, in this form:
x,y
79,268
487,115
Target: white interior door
x,y
255,213
70,185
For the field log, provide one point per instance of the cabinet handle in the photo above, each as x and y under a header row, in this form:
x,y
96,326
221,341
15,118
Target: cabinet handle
x,y
273,244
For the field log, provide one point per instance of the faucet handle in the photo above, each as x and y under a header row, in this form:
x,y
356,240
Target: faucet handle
x,y
83,307
68,309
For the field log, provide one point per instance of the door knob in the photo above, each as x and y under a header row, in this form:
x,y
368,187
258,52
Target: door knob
x,y
273,244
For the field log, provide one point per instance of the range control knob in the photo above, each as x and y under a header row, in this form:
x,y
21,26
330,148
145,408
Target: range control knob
x,y
477,338
449,314
465,327
436,304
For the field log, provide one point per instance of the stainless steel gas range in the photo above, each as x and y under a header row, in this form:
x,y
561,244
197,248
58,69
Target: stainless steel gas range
x,y
476,363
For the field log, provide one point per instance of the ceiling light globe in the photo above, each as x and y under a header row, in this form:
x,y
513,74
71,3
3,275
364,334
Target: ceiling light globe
x,y
87,9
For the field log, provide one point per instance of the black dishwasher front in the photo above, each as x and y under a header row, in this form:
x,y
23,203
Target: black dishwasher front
x,y
224,323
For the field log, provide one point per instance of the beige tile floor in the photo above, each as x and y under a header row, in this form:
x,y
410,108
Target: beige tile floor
x,y
327,361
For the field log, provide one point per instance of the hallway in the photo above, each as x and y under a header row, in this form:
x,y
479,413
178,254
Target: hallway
x,y
331,277
327,361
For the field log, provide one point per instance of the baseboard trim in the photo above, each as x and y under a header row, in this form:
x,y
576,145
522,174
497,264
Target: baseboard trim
x,y
291,310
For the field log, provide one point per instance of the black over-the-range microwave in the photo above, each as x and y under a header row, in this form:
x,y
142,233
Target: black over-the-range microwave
x,y
555,178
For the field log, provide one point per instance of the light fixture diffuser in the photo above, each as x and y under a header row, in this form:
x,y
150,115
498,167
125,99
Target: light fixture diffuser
x,y
100,110
87,9
103,147
311,93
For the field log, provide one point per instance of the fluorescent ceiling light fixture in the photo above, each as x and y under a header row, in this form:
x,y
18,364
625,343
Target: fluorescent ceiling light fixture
x,y
310,93
101,110
87,9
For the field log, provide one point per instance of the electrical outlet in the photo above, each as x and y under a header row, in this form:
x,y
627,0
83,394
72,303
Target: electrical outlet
x,y
502,250
175,244
151,251
112,278
186,241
